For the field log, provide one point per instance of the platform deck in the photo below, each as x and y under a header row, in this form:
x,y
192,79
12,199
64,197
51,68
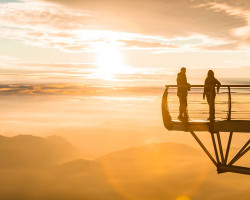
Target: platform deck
x,y
218,126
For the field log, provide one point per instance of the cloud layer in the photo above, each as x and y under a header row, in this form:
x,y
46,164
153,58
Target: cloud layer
x,y
16,89
78,25
167,18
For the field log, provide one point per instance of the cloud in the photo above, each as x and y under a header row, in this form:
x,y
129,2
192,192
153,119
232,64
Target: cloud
x,y
62,89
75,73
77,25
42,15
46,25
14,73
228,46
40,24
233,3
166,18
144,44
158,26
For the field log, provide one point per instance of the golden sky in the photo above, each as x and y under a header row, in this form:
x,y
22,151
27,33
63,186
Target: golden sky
x,y
113,42
118,52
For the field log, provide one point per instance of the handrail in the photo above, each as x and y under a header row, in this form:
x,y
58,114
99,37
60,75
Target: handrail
x,y
235,86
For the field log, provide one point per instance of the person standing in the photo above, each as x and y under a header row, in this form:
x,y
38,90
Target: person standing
x,y
209,92
182,92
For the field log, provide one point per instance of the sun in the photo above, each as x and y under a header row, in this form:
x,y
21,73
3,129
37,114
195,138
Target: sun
x,y
109,62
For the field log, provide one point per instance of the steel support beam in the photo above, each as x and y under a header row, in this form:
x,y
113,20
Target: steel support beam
x,y
238,155
228,146
235,169
215,148
220,148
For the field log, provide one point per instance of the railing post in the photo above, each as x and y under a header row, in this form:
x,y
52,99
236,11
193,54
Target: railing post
x,y
229,104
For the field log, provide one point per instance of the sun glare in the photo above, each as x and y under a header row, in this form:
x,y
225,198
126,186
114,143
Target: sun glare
x,y
109,62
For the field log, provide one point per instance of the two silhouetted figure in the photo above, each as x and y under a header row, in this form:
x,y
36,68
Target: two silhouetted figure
x,y
209,92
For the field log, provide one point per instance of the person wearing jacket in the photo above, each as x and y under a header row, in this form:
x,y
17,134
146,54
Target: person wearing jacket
x,y
182,91
209,92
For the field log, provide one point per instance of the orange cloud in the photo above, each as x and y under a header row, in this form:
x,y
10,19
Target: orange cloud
x,y
77,25
166,18
60,89
144,44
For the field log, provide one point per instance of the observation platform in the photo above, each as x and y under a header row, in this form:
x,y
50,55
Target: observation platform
x,y
214,127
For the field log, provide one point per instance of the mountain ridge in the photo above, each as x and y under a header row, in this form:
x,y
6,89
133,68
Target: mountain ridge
x,y
34,151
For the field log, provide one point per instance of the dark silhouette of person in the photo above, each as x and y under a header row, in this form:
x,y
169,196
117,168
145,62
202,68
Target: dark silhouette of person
x,y
182,92
209,92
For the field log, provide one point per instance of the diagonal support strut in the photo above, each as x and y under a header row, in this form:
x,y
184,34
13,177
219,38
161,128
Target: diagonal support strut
x,y
220,148
228,146
240,153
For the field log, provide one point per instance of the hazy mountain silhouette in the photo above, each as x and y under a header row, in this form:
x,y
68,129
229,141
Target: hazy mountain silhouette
x,y
80,166
27,150
155,171
167,171
153,159
30,169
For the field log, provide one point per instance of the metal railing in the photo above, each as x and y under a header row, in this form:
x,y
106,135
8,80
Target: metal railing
x,y
232,92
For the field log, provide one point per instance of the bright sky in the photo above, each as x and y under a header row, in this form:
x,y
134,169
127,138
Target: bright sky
x,y
116,49
133,42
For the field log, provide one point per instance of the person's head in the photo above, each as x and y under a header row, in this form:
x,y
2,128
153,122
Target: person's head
x,y
183,70
210,74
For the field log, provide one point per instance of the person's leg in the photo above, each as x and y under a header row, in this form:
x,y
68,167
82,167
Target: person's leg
x,y
185,112
212,107
181,109
211,102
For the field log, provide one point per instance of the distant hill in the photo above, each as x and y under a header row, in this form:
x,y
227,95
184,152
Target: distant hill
x,y
155,160
168,171
27,150
162,171
80,166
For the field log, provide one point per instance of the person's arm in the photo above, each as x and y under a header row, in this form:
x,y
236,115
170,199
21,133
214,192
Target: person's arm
x,y
185,80
188,87
186,83
204,92
218,84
